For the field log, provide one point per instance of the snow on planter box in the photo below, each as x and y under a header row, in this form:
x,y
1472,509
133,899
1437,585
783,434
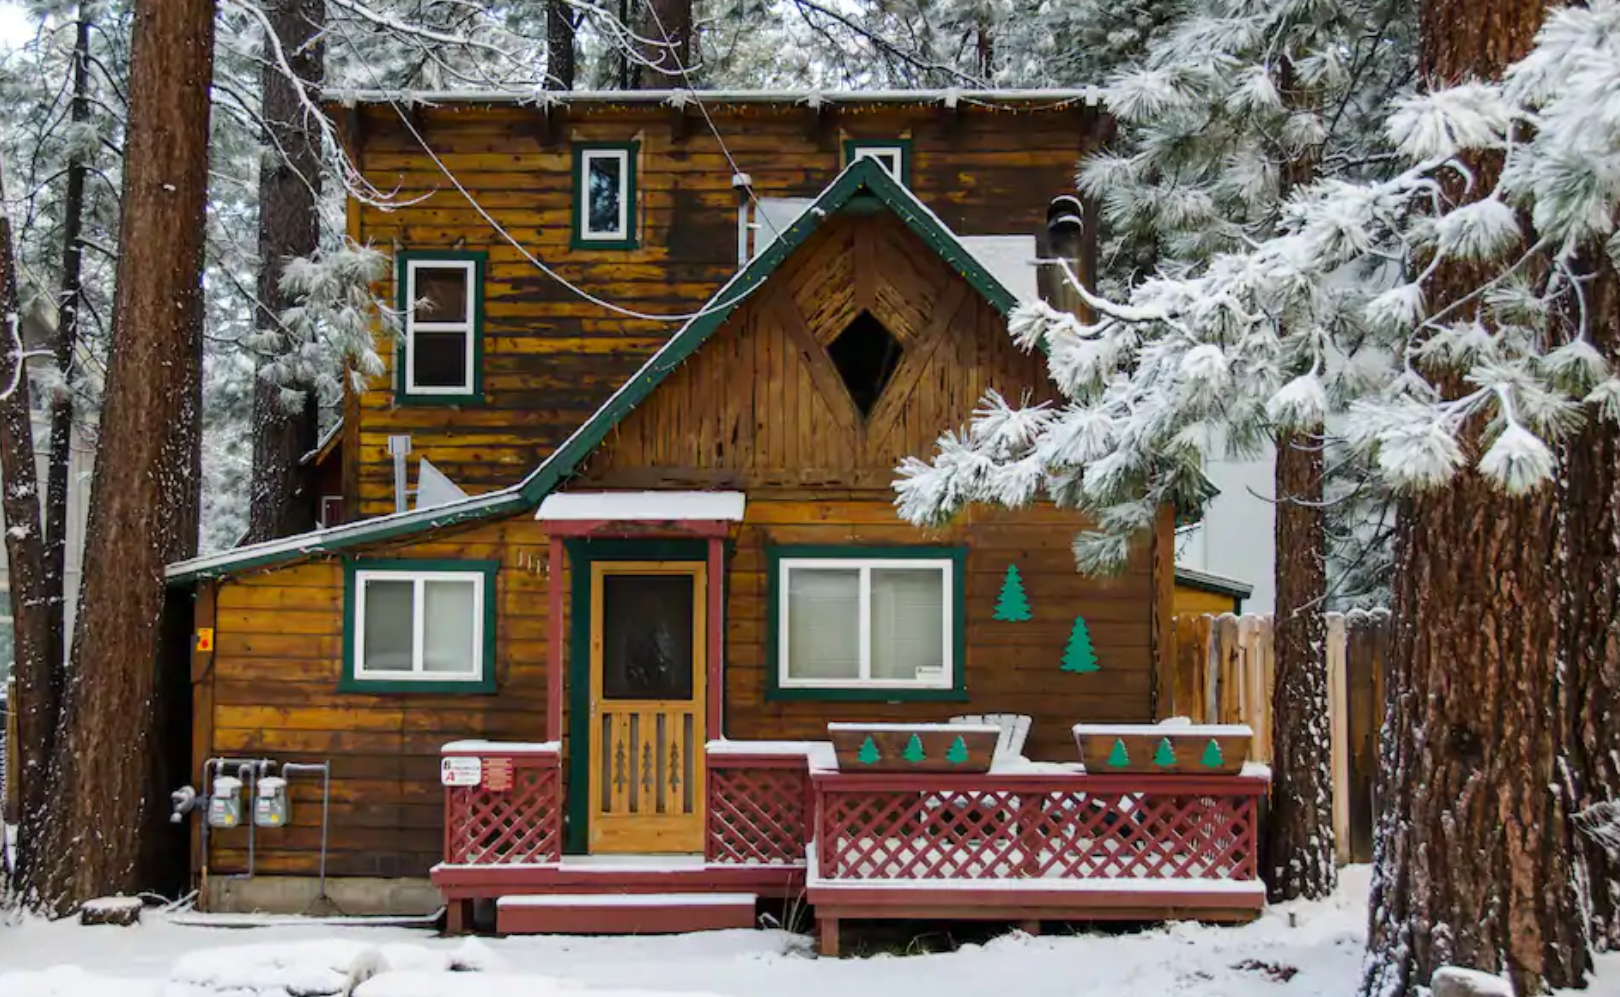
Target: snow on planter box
x,y
913,747
1186,749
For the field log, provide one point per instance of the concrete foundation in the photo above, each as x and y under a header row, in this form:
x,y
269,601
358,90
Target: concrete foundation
x,y
298,895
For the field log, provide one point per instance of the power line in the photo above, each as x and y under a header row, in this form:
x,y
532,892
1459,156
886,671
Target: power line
x,y
538,263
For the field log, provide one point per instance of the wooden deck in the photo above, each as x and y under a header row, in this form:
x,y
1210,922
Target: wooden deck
x,y
1024,844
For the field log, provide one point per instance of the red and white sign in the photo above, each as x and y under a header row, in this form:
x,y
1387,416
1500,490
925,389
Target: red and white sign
x,y
497,774
461,771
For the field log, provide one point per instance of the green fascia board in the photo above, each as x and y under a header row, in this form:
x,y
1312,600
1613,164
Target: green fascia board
x,y
774,692
861,186
485,685
480,262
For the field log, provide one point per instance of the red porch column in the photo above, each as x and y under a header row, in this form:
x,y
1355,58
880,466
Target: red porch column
x,y
716,620
554,639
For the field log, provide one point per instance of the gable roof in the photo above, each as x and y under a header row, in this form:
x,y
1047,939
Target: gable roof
x,y
862,185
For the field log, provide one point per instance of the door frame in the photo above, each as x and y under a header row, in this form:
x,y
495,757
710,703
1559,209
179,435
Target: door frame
x,y
695,573
582,555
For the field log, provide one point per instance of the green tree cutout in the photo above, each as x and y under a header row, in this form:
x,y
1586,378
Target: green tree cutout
x,y
1118,758
1212,759
1013,605
914,751
957,754
868,755
1165,755
1080,656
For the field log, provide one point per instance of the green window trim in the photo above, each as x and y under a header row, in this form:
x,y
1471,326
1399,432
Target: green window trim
x,y
853,146
629,240
352,681
404,394
775,691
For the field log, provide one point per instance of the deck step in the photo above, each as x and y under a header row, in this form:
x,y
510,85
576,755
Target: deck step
x,y
623,913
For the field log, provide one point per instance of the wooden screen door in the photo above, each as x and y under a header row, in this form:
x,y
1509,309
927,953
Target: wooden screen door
x,y
646,729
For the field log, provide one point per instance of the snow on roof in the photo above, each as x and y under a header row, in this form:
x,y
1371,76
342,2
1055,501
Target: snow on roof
x,y
644,507
1052,99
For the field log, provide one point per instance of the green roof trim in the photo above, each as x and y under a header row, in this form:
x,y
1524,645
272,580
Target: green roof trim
x,y
862,187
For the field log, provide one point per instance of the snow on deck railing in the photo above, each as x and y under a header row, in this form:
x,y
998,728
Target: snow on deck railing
x,y
502,802
1052,828
759,802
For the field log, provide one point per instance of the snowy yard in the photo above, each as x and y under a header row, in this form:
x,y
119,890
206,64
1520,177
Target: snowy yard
x,y
1319,953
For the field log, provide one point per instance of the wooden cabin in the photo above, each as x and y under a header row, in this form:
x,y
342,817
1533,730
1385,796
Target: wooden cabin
x,y
673,378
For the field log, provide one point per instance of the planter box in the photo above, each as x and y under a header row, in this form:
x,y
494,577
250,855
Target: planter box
x,y
1205,749
914,747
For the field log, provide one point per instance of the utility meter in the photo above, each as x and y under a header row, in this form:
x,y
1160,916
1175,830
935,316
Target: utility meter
x,y
270,808
225,802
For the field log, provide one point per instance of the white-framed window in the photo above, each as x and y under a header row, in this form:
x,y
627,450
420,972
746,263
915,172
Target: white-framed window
x,y
894,157
605,195
441,349
866,623
420,625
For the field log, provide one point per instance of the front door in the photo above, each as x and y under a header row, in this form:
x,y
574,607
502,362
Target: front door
x,y
646,727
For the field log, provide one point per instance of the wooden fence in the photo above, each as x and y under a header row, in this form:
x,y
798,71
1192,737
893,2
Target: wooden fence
x,y
1224,671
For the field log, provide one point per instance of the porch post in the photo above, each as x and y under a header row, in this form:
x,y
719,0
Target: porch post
x,y
715,619
554,639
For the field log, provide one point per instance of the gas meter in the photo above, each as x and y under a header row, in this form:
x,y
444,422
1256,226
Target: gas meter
x,y
270,808
225,802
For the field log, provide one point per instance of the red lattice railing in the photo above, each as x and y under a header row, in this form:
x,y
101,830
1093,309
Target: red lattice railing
x,y
759,809
514,816
1036,827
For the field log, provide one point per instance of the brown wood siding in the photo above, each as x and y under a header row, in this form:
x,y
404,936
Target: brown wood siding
x,y
551,358
759,408
278,660
1011,667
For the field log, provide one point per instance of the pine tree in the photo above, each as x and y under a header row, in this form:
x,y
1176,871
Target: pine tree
x,y
1117,756
914,751
1164,755
1012,606
1079,656
868,753
146,476
1212,758
957,753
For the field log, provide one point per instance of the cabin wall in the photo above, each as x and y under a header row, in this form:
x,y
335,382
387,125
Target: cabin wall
x,y
272,692
550,358
1011,667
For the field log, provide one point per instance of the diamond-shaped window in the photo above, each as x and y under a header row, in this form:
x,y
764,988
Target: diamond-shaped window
x,y
866,355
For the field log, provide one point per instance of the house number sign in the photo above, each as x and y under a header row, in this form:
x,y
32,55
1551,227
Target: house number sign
x,y
461,771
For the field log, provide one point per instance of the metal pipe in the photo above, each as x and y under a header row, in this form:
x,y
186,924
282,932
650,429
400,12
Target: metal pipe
x,y
325,769
211,770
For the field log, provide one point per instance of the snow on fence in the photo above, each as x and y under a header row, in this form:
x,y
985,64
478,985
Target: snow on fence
x,y
1224,670
10,803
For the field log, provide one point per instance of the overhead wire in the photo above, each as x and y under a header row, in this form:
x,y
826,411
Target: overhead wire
x,y
536,261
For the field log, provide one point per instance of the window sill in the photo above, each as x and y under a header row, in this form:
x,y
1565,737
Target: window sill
x,y
404,398
579,242
381,686
778,693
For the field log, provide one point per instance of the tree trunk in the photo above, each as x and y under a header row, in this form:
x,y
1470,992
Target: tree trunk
x,y
36,671
667,27
560,51
1473,859
1589,502
1299,827
67,341
145,490
282,498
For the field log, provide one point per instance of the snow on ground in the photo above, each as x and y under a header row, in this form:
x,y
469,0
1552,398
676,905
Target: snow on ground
x,y
1297,950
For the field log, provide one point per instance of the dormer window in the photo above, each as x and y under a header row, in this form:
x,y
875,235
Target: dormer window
x,y
894,155
441,301
605,195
